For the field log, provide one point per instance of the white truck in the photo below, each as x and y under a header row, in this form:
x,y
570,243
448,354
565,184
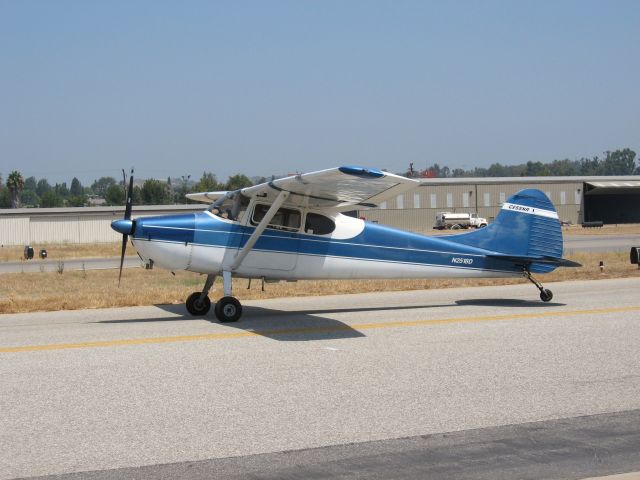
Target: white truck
x,y
455,221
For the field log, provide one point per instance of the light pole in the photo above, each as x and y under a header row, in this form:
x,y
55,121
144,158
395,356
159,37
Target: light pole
x,y
185,179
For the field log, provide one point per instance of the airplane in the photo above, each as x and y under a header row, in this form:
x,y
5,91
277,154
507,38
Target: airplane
x,y
295,228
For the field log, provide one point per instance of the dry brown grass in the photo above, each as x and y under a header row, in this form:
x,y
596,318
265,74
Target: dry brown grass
x,y
27,292
66,251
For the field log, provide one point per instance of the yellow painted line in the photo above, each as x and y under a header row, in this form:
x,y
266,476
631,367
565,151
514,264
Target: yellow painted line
x,y
300,330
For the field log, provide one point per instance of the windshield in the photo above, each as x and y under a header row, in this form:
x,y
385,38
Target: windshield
x,y
231,207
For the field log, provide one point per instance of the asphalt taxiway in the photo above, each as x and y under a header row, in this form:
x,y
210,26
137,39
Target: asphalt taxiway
x,y
484,382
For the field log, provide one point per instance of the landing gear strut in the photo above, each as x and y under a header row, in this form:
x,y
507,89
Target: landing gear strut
x,y
198,303
545,294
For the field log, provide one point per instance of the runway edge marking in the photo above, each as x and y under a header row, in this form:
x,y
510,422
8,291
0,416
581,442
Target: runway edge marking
x,y
290,331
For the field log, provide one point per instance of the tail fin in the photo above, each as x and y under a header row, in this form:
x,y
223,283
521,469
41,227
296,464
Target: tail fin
x,y
526,231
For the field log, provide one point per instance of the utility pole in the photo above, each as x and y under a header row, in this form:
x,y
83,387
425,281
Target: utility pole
x,y
185,179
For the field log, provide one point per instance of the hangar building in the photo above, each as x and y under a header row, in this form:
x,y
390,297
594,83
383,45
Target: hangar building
x,y
577,199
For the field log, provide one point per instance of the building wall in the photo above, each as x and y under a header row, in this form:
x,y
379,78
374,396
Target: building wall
x,y
35,226
419,206
13,230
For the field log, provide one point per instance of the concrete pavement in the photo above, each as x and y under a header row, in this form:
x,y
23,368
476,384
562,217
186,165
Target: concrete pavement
x,y
143,387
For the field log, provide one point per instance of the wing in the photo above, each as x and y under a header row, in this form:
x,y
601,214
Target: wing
x,y
206,197
340,188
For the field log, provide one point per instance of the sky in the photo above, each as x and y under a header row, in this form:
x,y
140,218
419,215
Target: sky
x,y
273,87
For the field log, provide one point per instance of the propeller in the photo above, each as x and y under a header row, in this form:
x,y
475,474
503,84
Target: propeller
x,y
125,226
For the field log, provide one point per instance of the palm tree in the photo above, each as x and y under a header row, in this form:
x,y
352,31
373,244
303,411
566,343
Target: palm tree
x,y
15,184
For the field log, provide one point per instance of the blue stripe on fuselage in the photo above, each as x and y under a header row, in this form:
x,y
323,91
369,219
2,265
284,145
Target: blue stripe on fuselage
x,y
375,242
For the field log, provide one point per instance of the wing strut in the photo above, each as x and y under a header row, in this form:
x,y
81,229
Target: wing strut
x,y
277,203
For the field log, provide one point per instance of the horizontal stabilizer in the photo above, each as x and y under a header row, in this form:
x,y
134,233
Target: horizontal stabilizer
x,y
526,260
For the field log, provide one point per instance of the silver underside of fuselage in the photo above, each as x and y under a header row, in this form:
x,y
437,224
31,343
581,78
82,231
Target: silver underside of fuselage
x,y
207,259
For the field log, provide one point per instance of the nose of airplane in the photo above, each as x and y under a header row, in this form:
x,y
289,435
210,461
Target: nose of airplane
x,y
167,240
123,226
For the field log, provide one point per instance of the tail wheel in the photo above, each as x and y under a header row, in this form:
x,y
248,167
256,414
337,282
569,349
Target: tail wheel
x,y
546,295
197,307
228,309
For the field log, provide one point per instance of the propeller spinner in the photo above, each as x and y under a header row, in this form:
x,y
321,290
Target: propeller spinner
x,y
125,226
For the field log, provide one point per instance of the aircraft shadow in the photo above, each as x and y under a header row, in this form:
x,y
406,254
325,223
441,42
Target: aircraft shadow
x,y
274,324
507,302
302,325
311,325
292,326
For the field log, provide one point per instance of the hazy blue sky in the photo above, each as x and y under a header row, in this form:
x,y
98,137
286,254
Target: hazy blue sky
x,y
174,88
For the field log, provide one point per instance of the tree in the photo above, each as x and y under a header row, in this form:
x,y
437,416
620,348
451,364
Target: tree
x,y
51,199
115,195
42,187
238,181
76,189
620,162
155,192
137,195
61,189
15,184
564,168
29,198
77,200
537,169
5,198
101,185
208,183
30,184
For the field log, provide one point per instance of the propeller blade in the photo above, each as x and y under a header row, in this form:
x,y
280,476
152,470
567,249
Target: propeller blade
x,y
125,239
129,204
127,216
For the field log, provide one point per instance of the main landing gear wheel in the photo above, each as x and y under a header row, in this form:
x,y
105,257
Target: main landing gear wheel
x,y
546,295
197,307
228,309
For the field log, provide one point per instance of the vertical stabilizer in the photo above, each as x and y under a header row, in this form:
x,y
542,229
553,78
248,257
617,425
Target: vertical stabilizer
x,y
526,227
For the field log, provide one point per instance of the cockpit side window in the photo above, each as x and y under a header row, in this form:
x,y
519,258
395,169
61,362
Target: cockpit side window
x,y
284,219
231,208
319,224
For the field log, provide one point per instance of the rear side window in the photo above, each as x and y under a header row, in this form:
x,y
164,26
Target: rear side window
x,y
319,224
284,219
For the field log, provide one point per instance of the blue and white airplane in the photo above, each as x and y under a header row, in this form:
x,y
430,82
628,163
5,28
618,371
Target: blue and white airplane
x,y
293,228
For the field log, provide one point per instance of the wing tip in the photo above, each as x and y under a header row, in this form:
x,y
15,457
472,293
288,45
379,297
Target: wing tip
x,y
361,171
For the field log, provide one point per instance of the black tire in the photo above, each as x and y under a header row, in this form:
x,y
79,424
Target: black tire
x,y
228,309
196,307
546,295
455,227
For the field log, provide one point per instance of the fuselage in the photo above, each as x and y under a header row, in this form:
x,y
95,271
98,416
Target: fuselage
x,y
307,247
